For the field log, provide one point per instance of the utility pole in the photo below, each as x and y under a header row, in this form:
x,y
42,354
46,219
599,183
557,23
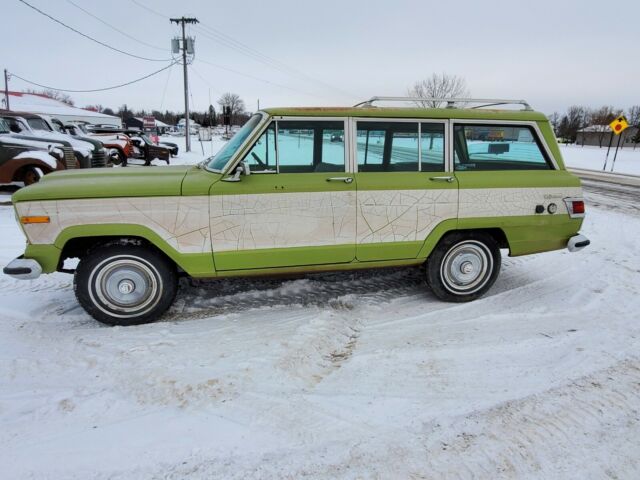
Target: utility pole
x,y
6,88
182,21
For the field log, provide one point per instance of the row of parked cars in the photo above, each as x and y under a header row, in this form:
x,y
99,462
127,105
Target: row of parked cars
x,y
34,145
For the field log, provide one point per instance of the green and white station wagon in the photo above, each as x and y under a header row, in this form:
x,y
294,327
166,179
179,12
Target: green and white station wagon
x,y
312,189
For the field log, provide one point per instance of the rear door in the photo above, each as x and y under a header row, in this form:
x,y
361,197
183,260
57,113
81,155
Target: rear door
x,y
405,187
296,208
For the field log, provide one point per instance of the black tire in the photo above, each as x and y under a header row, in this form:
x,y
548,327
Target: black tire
x,y
463,266
108,276
31,175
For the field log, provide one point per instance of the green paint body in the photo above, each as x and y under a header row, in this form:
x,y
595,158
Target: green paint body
x,y
525,234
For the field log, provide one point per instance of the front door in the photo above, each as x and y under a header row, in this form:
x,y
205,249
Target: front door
x,y
296,208
404,186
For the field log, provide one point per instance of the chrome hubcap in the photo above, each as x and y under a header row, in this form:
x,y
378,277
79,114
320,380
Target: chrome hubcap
x,y
125,285
466,267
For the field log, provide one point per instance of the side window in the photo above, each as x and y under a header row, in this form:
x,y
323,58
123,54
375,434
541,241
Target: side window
x,y
262,156
310,146
498,147
387,146
432,147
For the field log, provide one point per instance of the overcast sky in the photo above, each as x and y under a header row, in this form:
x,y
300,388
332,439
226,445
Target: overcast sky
x,y
334,52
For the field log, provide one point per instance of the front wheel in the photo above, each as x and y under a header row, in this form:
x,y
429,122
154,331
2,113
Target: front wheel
x,y
125,284
463,266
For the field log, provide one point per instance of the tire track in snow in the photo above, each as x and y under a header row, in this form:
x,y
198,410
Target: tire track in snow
x,y
523,437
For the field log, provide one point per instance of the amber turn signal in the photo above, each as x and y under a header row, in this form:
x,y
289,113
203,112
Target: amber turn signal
x,y
34,219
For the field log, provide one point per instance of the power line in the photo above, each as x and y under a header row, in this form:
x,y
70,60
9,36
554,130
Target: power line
x,y
115,28
91,38
257,78
166,84
216,35
150,9
94,89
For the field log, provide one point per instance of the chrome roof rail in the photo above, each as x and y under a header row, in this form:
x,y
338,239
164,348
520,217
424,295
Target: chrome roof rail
x,y
484,102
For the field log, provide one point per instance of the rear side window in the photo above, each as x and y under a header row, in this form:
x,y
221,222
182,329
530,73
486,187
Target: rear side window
x,y
498,147
400,147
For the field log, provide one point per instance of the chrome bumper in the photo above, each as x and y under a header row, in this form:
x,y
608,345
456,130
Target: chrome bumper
x,y
23,269
577,243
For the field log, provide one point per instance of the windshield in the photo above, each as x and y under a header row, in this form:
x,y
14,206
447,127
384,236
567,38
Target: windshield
x,y
4,126
220,159
38,124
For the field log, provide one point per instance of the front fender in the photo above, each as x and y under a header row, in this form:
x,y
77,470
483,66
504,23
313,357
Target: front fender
x,y
195,264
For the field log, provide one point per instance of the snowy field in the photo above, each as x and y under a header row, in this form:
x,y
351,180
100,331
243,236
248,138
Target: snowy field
x,y
355,375
593,158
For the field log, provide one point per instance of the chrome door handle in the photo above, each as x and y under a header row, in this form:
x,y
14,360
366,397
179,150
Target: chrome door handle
x,y
340,179
442,179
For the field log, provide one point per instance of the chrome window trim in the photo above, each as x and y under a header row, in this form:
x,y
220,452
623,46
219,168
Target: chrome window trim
x,y
419,121
526,123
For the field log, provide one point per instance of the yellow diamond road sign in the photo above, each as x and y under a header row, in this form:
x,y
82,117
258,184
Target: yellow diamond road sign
x,y
619,125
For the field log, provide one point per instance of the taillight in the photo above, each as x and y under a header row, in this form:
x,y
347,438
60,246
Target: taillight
x,y
575,207
578,206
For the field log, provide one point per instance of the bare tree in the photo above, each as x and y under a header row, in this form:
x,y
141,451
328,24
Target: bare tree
x,y
571,122
554,119
437,85
633,115
54,94
232,100
600,119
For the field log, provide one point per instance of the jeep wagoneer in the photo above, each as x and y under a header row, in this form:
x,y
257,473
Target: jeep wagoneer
x,y
307,190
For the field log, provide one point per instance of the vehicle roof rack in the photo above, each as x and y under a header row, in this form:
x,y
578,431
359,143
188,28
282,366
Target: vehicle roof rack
x,y
484,102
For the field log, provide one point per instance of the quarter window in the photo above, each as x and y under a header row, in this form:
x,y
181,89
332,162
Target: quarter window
x,y
498,147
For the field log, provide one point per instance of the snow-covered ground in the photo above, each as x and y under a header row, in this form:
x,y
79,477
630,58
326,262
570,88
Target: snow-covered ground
x,y
593,158
355,375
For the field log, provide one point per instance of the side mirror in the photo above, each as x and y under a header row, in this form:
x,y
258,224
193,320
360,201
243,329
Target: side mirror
x,y
240,169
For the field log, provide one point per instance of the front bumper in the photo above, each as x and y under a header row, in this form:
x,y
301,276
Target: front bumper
x,y
23,269
577,243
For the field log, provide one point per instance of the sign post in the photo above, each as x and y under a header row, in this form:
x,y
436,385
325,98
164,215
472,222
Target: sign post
x,y
618,126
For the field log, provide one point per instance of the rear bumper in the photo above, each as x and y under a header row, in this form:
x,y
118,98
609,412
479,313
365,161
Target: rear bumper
x,y
23,269
577,243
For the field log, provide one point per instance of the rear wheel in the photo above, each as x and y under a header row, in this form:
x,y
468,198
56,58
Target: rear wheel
x,y
463,266
125,284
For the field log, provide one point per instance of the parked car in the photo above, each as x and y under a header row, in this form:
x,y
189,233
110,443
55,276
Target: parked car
x,y
407,187
27,161
89,152
173,147
143,147
118,145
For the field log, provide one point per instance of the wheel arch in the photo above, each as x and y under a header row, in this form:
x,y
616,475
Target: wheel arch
x,y
77,240
14,169
448,227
